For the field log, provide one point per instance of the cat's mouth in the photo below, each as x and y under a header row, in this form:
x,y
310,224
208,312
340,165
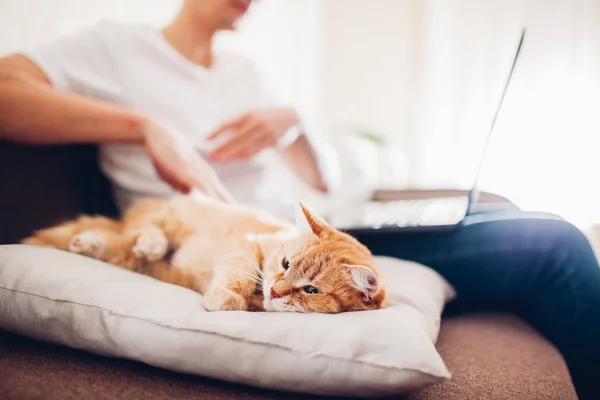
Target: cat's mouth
x,y
275,305
268,306
280,305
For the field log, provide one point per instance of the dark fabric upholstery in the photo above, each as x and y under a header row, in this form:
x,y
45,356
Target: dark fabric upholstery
x,y
40,186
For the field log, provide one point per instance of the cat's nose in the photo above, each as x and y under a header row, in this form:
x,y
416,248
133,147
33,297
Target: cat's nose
x,y
274,294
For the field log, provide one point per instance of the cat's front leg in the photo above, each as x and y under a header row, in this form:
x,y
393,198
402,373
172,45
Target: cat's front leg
x,y
234,282
89,243
151,244
224,299
102,244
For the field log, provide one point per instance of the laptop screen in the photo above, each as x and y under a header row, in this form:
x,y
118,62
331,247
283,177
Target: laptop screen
x,y
474,192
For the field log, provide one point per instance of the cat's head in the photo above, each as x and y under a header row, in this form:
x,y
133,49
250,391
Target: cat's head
x,y
319,270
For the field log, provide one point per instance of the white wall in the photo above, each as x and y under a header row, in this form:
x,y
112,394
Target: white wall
x,y
25,23
407,68
369,69
365,62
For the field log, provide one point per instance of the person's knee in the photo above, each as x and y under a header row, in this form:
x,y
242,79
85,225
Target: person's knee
x,y
568,248
538,229
563,234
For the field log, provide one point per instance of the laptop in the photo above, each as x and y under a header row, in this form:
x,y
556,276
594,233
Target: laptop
x,y
410,215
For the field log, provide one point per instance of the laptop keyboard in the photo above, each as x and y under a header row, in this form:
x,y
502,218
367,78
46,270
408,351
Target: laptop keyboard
x,y
406,213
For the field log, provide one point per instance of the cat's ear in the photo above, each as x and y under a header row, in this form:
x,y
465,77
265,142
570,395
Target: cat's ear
x,y
307,222
365,279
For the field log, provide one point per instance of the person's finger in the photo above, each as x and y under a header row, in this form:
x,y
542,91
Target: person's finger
x,y
254,148
173,180
227,126
233,146
217,191
182,189
183,175
206,180
224,194
183,169
243,137
184,182
178,183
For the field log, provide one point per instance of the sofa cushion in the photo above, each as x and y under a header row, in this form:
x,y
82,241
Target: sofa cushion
x,y
83,303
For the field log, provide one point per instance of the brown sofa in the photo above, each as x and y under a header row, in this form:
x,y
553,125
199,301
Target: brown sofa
x,y
491,356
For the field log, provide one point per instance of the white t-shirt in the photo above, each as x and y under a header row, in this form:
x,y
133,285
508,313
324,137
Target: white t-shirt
x,y
134,66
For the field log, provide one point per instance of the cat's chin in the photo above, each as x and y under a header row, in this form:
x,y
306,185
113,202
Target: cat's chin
x,y
274,305
268,306
278,305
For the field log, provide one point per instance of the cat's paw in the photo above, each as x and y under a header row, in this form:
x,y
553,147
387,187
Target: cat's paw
x,y
88,243
151,245
225,301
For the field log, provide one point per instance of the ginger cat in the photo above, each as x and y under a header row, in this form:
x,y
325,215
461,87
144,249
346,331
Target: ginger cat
x,y
238,258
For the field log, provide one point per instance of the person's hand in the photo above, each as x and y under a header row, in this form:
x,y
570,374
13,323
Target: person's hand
x,y
178,164
251,133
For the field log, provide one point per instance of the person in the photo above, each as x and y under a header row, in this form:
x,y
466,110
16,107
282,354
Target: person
x,y
167,104
149,97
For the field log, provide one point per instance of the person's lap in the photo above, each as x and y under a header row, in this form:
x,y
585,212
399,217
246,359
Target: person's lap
x,y
535,265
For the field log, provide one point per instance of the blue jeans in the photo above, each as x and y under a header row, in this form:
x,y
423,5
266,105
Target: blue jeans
x,y
535,265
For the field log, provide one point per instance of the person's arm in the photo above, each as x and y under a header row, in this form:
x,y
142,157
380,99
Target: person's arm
x,y
34,112
303,157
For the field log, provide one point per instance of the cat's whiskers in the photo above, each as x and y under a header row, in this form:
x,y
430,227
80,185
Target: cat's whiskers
x,y
260,272
249,275
256,279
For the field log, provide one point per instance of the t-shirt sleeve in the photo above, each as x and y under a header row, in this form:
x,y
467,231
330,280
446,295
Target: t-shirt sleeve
x,y
80,62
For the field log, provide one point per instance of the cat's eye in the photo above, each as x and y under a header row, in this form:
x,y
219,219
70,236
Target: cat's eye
x,y
311,290
285,263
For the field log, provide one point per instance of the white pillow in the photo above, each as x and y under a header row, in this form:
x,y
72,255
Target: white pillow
x,y
75,301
